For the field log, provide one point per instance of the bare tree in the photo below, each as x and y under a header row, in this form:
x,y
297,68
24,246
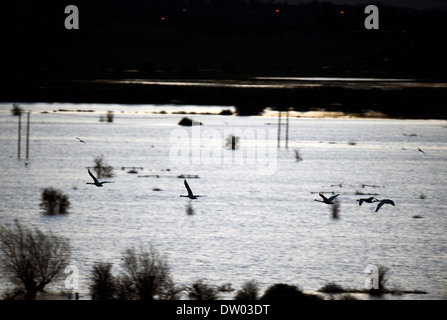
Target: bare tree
x,y
147,275
31,258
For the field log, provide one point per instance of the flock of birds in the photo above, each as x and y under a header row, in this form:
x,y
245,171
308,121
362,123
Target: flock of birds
x,y
190,194
326,200
330,200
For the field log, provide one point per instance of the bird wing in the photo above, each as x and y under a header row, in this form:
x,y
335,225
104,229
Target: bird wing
x,y
322,195
360,201
333,197
391,202
381,203
188,188
91,175
107,182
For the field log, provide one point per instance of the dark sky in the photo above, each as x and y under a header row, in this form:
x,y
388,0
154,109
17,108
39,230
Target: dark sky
x,y
414,4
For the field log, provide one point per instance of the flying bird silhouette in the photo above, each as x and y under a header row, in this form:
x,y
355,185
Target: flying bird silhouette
x,y
420,150
190,194
96,182
368,200
327,200
80,140
384,201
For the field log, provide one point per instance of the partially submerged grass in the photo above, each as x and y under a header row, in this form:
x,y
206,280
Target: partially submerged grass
x,y
332,288
335,210
189,209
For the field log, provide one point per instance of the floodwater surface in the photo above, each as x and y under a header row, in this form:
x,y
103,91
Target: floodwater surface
x,y
258,218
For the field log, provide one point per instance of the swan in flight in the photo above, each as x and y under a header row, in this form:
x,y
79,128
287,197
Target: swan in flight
x,y
384,201
96,182
327,200
368,200
190,194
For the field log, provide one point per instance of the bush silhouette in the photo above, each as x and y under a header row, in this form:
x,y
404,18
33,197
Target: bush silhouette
x,y
103,284
335,210
232,142
249,291
185,121
200,290
281,291
16,110
147,275
332,287
103,170
298,156
110,116
31,258
189,209
54,201
383,279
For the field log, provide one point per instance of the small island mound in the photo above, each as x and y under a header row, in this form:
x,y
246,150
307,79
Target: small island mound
x,y
189,122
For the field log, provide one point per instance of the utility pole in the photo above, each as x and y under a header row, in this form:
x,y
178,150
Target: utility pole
x,y
27,135
20,130
287,129
279,127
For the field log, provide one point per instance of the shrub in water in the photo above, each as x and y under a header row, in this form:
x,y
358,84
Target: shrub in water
x,y
189,209
335,210
232,142
16,110
110,116
298,156
54,201
102,168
